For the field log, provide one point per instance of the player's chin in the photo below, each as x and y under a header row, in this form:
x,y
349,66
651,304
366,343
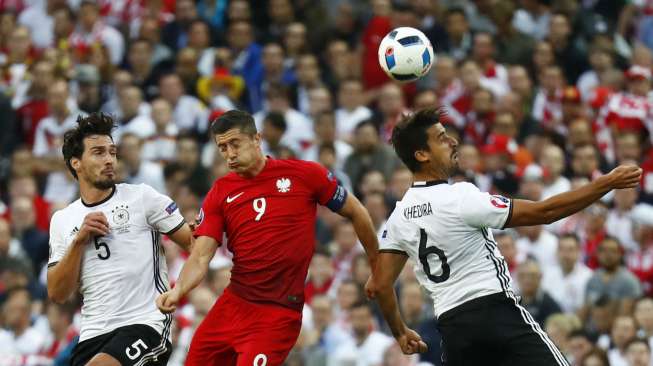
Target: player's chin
x,y
105,183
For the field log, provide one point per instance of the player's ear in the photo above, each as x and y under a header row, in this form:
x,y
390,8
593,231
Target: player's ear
x,y
421,156
75,163
257,139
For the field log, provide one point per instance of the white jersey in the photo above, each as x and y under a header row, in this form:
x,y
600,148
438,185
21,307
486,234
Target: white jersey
x,y
444,229
121,273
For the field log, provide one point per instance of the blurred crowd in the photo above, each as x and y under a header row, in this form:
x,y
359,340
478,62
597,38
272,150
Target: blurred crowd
x,y
543,96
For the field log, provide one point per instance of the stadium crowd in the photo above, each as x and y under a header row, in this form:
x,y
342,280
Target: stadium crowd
x,y
543,95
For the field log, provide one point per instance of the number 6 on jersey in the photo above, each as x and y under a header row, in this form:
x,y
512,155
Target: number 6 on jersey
x,y
259,205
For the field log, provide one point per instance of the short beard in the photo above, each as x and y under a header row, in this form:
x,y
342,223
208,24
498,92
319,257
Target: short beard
x,y
104,184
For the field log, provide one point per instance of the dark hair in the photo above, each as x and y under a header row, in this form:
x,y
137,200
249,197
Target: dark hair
x,y
73,140
637,340
361,304
409,135
572,236
277,120
326,147
234,119
455,10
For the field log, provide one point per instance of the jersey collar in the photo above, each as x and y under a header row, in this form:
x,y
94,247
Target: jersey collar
x,y
429,183
113,191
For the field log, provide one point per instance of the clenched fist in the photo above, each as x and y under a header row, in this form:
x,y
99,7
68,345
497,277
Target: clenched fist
x,y
625,176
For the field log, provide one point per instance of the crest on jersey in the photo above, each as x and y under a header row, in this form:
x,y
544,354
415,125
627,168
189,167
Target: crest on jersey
x,y
499,201
120,216
283,185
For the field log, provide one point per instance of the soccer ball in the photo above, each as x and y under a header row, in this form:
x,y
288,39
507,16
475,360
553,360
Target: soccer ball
x,y
405,54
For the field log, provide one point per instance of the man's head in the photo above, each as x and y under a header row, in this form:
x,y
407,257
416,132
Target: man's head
x,y
17,309
22,214
638,352
129,150
579,344
568,251
553,160
411,300
609,254
349,94
140,53
89,13
623,330
274,126
319,100
5,237
349,293
272,58
445,71
130,99
585,160
188,151
422,143
89,151
483,48
172,88
322,307
529,276
456,23
161,113
361,319
325,127
345,237
507,246
628,146
238,141
643,313
57,97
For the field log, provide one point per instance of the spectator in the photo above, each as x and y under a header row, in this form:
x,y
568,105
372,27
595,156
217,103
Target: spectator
x,y
325,126
539,244
188,112
535,299
623,330
19,337
619,223
138,170
367,346
643,314
321,275
579,345
369,154
161,145
352,111
567,280
638,352
612,279
638,259
33,239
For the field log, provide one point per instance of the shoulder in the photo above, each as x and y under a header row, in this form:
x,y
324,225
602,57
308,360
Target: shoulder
x,y
464,187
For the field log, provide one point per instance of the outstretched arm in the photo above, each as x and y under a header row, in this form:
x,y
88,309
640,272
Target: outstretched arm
x,y
526,213
389,265
354,210
192,273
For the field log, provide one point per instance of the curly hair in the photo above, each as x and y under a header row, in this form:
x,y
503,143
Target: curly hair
x,y
73,140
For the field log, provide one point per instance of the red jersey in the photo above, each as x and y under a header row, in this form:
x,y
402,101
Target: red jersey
x,y
269,222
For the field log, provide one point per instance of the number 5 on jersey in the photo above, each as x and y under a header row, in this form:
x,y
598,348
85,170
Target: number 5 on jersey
x,y
259,205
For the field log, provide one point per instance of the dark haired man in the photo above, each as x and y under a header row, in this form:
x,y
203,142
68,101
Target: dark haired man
x,y
445,229
107,245
266,208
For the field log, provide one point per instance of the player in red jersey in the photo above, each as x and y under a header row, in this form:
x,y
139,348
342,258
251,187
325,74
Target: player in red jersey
x,y
266,208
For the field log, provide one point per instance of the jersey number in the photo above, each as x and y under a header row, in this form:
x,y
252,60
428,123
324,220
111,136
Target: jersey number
x,y
107,252
137,353
259,205
424,253
260,360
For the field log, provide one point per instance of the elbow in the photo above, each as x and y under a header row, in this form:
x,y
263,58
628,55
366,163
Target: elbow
x,y
56,296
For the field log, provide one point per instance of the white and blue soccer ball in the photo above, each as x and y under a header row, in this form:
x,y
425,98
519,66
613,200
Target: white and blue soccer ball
x,y
405,54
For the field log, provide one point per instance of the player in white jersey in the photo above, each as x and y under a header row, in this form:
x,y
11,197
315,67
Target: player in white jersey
x,y
445,230
107,245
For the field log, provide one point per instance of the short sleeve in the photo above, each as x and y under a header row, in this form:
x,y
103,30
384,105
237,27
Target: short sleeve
x,y
394,239
481,209
57,245
210,218
161,211
328,191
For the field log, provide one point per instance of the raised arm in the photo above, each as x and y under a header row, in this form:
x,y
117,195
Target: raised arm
x,y
389,265
192,273
354,210
527,213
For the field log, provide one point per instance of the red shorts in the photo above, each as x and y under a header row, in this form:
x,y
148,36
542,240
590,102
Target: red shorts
x,y
237,332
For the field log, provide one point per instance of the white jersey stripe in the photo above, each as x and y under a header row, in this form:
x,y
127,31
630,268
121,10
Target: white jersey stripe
x,y
561,360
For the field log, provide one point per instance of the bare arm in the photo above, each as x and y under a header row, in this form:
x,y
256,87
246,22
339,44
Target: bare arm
x,y
357,213
63,277
192,273
526,213
389,266
183,237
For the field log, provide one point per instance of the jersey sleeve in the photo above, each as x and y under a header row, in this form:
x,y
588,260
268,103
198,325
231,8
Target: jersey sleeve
x,y
210,218
328,191
161,211
481,209
57,245
394,239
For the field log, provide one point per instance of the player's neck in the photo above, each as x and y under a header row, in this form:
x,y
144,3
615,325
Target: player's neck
x,y
257,167
91,195
426,175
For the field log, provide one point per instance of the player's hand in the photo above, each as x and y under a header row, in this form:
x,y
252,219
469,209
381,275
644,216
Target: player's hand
x,y
370,288
94,224
410,342
625,176
167,301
